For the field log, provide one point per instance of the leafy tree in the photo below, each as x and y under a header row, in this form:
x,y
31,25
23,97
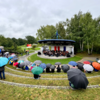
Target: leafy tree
x,y
46,32
31,39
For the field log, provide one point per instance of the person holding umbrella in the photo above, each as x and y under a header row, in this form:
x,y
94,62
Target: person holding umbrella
x,y
36,71
77,79
3,62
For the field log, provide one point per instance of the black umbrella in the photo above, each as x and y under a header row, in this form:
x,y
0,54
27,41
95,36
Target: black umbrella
x,y
80,65
52,67
65,67
57,63
77,78
48,65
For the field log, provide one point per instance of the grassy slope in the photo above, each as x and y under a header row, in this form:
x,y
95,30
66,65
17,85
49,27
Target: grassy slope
x,y
21,93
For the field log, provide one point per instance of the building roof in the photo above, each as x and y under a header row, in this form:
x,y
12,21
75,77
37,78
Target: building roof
x,y
56,41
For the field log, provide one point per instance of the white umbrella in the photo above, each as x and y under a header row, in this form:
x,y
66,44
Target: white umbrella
x,y
98,61
88,67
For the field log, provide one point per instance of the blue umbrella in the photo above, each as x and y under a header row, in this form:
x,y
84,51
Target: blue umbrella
x,y
3,61
9,58
73,63
33,64
43,65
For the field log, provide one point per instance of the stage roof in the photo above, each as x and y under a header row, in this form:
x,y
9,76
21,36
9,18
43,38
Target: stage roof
x,y
56,41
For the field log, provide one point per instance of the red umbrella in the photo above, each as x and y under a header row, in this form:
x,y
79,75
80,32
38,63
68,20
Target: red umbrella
x,y
86,62
16,64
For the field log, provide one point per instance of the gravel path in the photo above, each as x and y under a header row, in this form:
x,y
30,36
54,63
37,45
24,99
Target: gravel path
x,y
44,87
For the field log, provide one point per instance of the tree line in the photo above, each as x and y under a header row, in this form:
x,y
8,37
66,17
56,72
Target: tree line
x,y
82,28
13,43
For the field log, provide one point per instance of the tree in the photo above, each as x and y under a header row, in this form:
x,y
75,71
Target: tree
x,y
61,30
74,29
45,32
31,39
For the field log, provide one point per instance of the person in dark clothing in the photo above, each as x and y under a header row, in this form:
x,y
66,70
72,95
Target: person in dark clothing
x,y
36,76
52,70
2,69
58,69
48,70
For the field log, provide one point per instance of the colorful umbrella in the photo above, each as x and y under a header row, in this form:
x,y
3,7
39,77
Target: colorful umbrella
x,y
3,61
20,61
96,65
73,63
37,70
86,62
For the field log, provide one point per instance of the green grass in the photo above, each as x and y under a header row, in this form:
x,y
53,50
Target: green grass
x,y
8,92
53,61
92,81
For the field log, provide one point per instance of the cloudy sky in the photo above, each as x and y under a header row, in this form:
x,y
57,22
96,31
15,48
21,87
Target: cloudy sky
x,y
19,18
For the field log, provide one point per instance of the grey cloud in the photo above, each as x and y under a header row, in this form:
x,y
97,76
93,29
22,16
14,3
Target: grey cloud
x,y
24,17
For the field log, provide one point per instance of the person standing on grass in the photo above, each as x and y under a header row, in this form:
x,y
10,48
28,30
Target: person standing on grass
x,y
2,71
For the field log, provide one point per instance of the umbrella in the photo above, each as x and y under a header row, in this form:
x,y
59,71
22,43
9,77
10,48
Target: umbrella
x,y
26,68
80,65
14,59
6,53
98,61
77,78
12,55
86,62
90,61
3,61
10,62
20,61
88,67
16,64
57,63
25,63
37,70
37,62
96,65
65,67
48,65
73,63
9,58
33,64
21,65
52,67
42,65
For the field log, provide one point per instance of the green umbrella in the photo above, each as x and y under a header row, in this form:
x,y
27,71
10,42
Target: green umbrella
x,y
37,70
20,61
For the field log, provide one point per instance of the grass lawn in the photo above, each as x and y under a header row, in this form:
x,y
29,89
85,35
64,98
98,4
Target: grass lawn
x,y
53,61
8,92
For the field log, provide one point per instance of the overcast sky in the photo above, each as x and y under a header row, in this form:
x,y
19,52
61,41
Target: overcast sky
x,y
19,18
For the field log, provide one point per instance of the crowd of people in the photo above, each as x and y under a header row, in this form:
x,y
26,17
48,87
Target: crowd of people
x,y
56,53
